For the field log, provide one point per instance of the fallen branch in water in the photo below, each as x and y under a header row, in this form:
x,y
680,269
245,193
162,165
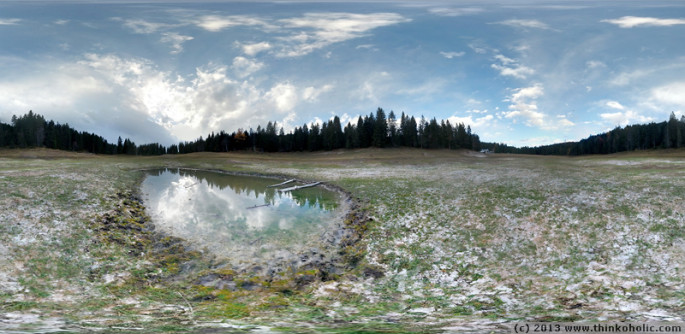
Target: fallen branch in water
x,y
280,184
258,206
299,187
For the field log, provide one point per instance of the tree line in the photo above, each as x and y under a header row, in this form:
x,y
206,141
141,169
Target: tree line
x,y
32,130
667,134
373,130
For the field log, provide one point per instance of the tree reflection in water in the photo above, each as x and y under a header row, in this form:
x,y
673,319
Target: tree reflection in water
x,y
234,215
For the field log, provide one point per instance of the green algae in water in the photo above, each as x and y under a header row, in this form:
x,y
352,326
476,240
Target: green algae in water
x,y
238,216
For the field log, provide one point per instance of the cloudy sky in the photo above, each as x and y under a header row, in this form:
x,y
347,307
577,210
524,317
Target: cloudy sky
x,y
519,72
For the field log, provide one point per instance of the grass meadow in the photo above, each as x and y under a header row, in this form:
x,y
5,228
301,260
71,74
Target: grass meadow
x,y
458,240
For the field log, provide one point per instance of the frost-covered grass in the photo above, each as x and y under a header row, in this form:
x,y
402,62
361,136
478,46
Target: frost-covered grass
x,y
464,240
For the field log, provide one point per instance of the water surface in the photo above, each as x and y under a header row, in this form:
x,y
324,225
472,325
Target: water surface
x,y
239,217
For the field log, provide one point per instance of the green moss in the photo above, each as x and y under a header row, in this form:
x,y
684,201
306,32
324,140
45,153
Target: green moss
x,y
223,310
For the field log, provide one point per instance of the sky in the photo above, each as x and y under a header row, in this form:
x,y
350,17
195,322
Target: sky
x,y
525,73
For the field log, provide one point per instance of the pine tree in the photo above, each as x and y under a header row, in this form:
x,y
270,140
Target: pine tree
x,y
380,129
392,130
120,146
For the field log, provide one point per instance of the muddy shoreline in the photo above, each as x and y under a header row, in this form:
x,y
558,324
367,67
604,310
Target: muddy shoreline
x,y
182,261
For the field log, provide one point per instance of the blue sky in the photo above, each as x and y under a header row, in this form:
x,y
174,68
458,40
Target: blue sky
x,y
519,72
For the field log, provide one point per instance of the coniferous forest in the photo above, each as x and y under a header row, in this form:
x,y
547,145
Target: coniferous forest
x,y
668,134
373,130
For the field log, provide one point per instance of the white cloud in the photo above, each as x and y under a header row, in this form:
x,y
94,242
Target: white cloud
x,y
641,74
511,67
316,121
176,40
479,122
312,94
346,119
626,78
476,111
140,26
478,49
592,64
61,22
245,67
426,90
615,105
9,22
87,99
564,122
446,11
524,105
537,141
215,23
132,97
624,118
636,21
255,48
505,60
317,30
524,24
452,54
672,94
473,102
532,92
367,47
283,96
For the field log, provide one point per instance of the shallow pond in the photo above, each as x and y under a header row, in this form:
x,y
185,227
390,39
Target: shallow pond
x,y
239,217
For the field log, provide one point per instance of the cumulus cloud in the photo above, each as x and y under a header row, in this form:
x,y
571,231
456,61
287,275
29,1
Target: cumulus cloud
x,y
452,54
132,97
524,106
312,93
621,115
176,40
517,23
476,123
636,21
253,49
624,118
505,60
245,67
672,94
81,95
283,96
510,67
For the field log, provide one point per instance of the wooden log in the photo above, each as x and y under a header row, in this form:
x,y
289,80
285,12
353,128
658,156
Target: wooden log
x,y
280,184
299,187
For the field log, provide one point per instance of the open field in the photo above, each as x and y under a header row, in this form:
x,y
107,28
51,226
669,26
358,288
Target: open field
x,y
458,241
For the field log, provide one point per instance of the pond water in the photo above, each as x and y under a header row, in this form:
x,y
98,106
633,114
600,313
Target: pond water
x,y
239,217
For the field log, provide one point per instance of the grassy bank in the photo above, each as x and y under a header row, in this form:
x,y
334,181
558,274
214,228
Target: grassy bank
x,y
458,240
